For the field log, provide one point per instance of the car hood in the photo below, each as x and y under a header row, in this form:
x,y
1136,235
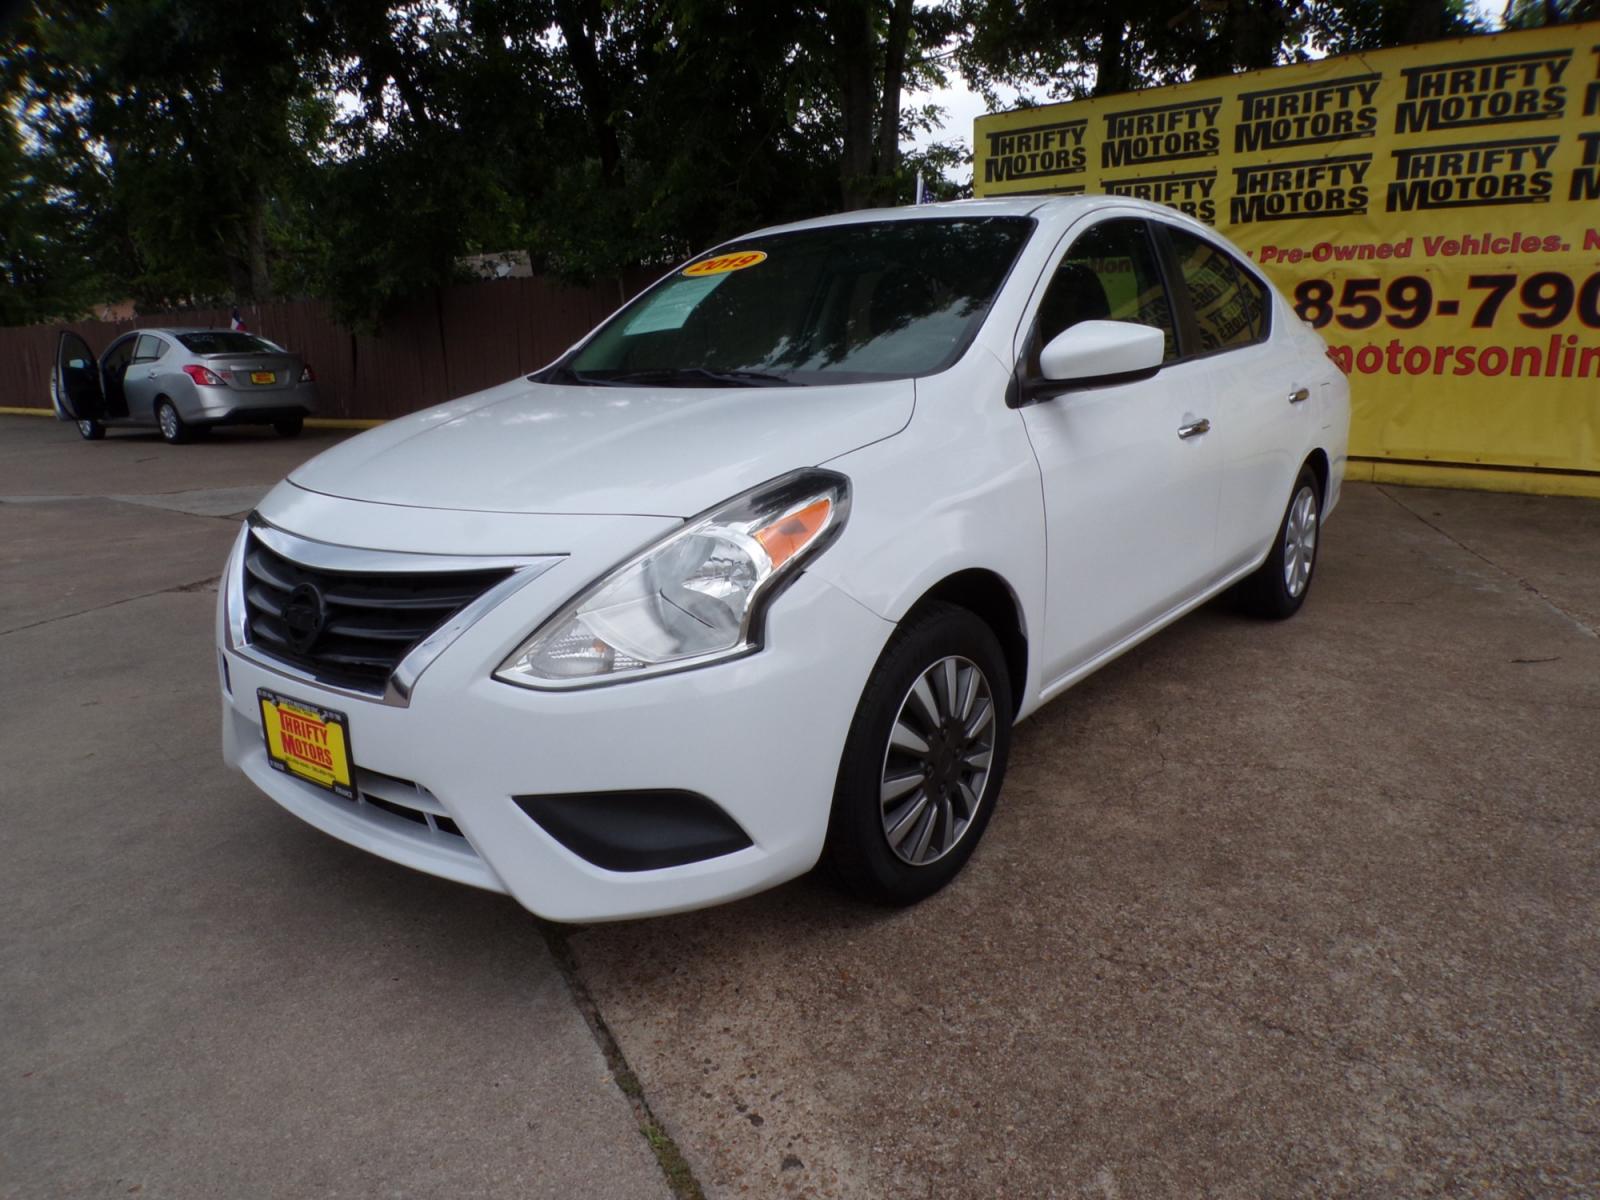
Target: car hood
x,y
529,447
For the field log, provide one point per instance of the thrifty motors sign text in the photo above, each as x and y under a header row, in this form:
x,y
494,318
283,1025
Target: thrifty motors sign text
x,y
1433,210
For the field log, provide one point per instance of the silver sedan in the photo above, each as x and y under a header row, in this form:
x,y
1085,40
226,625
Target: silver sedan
x,y
182,381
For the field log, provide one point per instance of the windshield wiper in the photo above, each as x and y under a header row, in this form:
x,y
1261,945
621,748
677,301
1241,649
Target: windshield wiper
x,y
565,374
689,376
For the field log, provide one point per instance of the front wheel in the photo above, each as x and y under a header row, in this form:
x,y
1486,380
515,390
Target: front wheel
x,y
91,431
924,759
1279,586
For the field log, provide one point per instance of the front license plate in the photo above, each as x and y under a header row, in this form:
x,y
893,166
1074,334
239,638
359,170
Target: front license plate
x,y
263,377
307,742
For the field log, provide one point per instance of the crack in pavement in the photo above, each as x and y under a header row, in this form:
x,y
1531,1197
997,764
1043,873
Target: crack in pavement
x,y
1582,625
679,1175
196,585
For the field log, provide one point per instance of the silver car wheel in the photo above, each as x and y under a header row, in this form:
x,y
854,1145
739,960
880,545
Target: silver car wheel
x,y
1300,541
936,767
86,429
168,416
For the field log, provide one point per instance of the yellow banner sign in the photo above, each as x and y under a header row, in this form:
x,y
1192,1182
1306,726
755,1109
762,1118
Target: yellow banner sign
x,y
1433,210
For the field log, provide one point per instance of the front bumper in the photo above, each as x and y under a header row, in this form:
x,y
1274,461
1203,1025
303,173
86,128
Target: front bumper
x,y
759,736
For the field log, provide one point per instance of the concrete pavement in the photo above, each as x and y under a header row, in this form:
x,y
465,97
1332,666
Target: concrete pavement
x,y
1305,909
199,1000
1297,909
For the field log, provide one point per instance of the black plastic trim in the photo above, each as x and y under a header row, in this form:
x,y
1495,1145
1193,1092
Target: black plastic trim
x,y
637,831
1033,391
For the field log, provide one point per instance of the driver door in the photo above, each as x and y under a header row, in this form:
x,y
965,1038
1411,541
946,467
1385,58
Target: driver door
x,y
1131,471
76,391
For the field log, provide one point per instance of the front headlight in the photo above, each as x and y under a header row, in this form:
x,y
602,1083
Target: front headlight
x,y
695,597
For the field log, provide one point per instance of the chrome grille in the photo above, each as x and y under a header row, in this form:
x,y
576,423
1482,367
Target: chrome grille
x,y
365,622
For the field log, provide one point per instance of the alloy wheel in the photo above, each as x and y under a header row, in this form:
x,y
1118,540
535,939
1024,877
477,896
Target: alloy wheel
x,y
1300,541
169,422
936,767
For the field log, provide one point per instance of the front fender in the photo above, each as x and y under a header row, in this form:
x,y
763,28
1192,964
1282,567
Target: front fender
x,y
957,490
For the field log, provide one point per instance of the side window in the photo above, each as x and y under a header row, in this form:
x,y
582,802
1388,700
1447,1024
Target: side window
x,y
1230,307
149,348
1109,274
116,359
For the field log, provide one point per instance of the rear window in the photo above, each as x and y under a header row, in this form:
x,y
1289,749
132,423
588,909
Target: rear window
x,y
226,341
1230,308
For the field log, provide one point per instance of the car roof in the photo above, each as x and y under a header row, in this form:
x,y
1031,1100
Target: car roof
x,y
174,330
1058,209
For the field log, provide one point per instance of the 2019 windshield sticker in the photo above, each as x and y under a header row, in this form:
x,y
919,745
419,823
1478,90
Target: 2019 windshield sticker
x,y
724,263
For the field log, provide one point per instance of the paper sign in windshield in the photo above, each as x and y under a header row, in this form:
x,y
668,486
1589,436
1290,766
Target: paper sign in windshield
x,y
723,263
669,306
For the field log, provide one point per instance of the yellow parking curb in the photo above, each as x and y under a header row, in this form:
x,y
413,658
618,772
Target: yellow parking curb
x,y
312,422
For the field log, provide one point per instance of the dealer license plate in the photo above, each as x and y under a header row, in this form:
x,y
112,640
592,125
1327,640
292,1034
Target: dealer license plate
x,y
263,377
308,742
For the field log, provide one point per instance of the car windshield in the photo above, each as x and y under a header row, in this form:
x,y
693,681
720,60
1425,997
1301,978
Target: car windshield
x,y
839,304
226,341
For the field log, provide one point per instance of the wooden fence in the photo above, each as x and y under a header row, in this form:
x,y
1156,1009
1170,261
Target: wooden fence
x,y
444,344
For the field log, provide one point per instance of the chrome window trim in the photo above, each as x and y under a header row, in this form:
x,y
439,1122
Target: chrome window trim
x,y
329,556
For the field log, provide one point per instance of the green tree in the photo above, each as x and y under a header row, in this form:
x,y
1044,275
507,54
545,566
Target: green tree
x,y
180,111
1069,52
1532,14
1349,26
44,273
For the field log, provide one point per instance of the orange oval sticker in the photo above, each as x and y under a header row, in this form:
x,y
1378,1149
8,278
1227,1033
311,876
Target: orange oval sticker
x,y
726,262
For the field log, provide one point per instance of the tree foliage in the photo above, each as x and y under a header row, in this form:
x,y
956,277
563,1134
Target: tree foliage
x,y
186,150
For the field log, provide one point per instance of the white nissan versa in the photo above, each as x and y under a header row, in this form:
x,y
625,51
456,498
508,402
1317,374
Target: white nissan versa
x,y
765,569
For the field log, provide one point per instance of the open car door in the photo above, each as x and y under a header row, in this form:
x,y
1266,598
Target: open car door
x,y
75,387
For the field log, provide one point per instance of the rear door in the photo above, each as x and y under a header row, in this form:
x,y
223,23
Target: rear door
x,y
1265,394
144,381
75,388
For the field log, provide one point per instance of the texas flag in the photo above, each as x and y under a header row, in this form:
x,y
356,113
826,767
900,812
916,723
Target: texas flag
x,y
237,323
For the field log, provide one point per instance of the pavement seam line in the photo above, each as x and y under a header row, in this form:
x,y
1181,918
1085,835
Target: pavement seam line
x,y
674,1167
1582,625
194,585
131,501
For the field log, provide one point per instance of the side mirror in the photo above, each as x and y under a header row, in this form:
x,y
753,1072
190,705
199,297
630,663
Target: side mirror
x,y
1098,353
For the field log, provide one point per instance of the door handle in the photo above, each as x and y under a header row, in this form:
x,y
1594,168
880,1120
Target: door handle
x,y
1299,394
1194,428
151,374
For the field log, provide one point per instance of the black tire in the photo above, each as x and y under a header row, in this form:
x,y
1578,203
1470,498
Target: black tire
x,y
172,425
289,426
91,431
1276,592
859,853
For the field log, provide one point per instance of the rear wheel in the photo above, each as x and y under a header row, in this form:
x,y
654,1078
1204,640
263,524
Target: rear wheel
x,y
173,427
924,760
1279,586
289,426
91,431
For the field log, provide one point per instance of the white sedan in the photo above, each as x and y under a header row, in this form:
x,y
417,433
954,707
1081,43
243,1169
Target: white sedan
x,y
764,570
